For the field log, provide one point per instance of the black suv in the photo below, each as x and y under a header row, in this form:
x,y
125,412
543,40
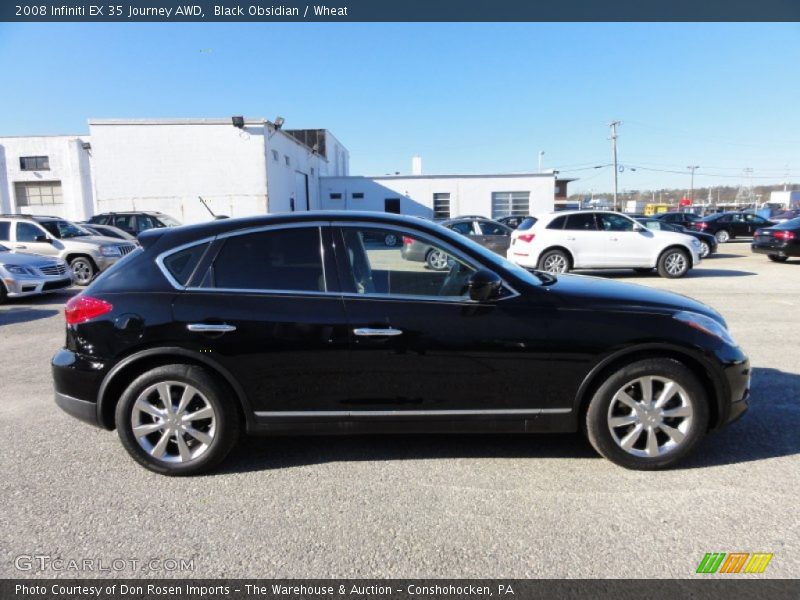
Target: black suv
x,y
135,222
289,324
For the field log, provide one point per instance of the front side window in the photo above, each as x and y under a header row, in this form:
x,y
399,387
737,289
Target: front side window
x,y
417,268
612,222
64,229
28,232
277,260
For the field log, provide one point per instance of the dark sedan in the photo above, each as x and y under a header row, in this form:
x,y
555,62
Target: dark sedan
x,y
491,234
779,242
290,324
726,226
708,243
685,219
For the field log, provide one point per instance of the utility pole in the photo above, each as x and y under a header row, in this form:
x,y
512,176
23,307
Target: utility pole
x,y
692,168
541,156
614,125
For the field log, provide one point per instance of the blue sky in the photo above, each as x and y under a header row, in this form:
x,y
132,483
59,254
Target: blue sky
x,y
468,98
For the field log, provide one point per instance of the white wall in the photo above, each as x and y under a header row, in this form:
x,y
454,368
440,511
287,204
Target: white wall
x,y
69,162
469,195
165,165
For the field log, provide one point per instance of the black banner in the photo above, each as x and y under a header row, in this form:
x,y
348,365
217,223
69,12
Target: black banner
x,y
740,588
400,10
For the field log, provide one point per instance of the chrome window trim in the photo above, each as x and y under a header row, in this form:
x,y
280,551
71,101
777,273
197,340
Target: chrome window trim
x,y
166,254
411,413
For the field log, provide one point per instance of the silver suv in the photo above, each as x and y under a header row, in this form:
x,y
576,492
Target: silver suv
x,y
87,254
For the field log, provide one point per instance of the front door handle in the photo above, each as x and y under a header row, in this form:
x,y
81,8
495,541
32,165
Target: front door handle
x,y
211,327
20,247
369,332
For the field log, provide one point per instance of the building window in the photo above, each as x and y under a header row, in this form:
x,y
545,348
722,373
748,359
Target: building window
x,y
39,193
441,206
358,195
275,155
392,205
336,196
510,204
34,163
287,159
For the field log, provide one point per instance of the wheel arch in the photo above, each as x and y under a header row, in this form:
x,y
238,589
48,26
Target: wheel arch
x,y
70,256
118,378
712,385
686,249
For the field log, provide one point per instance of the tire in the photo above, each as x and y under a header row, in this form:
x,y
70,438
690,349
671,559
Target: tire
x,y
772,257
206,441
705,249
673,263
722,236
554,261
436,260
612,421
84,270
390,240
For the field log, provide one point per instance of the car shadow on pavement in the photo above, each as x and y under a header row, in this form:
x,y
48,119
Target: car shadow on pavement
x,y
694,273
11,316
703,272
768,430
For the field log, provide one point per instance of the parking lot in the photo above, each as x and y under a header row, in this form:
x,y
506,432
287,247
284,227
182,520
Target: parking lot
x,y
417,506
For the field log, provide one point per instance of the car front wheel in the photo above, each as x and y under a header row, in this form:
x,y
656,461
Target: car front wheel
x,y
437,260
84,270
705,249
177,420
673,263
554,261
648,415
722,236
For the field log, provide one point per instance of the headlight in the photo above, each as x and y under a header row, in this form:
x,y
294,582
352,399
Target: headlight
x,y
706,325
110,251
695,242
17,270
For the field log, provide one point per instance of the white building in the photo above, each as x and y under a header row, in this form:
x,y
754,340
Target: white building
x,y
442,196
46,175
253,168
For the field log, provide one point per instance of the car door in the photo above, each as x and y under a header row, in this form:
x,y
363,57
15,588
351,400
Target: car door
x,y
29,237
739,225
755,222
495,236
626,244
422,347
265,306
584,240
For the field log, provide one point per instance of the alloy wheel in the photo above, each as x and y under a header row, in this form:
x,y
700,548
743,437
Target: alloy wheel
x,y
675,263
555,263
173,422
83,271
390,240
650,416
704,249
722,236
437,260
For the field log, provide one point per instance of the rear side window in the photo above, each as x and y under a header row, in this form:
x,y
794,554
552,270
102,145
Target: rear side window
x,y
282,259
182,264
557,223
5,230
581,221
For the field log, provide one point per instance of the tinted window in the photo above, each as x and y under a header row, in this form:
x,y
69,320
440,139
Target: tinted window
x,y
146,222
283,259
125,222
27,232
581,221
181,264
5,230
557,223
404,271
654,225
612,222
489,228
464,228
528,223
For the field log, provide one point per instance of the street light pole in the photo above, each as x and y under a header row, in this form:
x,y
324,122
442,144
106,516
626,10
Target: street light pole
x,y
541,156
614,125
692,168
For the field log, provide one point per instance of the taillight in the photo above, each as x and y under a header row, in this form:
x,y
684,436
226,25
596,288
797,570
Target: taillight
x,y
526,237
784,235
81,308
700,225
407,241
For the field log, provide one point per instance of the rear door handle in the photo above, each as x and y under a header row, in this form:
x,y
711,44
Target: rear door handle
x,y
210,327
369,332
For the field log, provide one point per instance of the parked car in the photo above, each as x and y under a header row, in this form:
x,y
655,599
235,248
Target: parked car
x,y
590,239
28,275
708,243
786,215
135,222
726,226
289,324
779,242
85,253
491,234
109,231
677,218
513,222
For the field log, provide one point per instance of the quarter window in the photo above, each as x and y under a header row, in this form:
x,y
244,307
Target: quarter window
x,y
417,268
557,223
280,259
181,264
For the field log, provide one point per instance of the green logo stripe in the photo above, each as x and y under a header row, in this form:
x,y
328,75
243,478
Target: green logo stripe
x,y
711,562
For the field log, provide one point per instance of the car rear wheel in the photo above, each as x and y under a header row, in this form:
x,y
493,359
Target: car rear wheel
x,y
722,236
648,415
777,258
84,270
554,261
673,263
390,240
705,249
177,420
437,260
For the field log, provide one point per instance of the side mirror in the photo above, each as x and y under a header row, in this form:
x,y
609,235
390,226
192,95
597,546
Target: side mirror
x,y
639,227
43,238
484,285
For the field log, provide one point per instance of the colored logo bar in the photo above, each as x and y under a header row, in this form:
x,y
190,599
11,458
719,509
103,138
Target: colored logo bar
x,y
734,562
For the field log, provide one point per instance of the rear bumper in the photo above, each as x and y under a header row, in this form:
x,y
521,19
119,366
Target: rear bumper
x,y
777,249
76,381
80,409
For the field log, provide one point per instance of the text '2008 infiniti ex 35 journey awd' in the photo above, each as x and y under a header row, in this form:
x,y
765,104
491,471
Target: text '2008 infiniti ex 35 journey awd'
x,y
293,324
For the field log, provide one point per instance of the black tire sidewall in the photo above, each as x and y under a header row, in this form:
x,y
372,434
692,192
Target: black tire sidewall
x,y
226,414
596,416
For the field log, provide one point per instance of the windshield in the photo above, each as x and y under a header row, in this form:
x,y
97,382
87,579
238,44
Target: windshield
x,y
64,229
168,221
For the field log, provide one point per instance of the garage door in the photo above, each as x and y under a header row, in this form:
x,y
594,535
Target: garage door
x,y
38,193
510,204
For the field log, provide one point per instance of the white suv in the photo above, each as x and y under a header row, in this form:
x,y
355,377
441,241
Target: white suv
x,y
591,239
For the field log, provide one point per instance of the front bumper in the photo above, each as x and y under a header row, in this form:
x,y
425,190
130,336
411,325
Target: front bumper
x,y
737,379
19,287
